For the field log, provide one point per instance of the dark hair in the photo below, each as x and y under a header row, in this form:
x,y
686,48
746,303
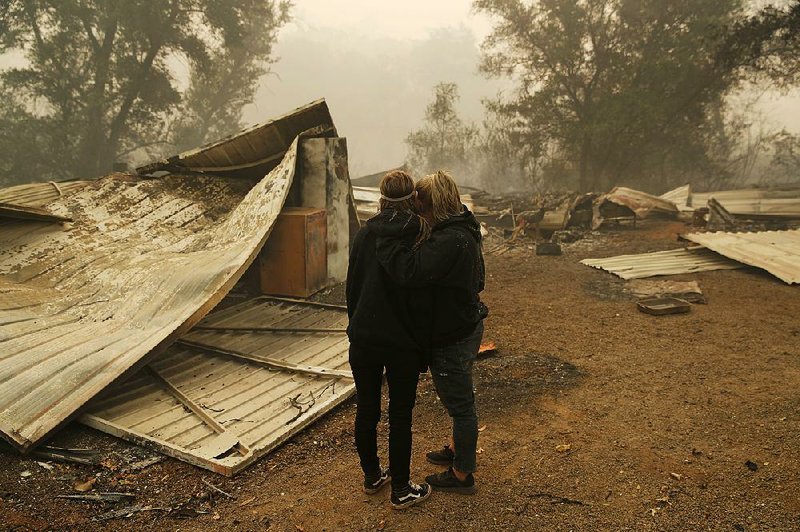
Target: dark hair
x,y
397,184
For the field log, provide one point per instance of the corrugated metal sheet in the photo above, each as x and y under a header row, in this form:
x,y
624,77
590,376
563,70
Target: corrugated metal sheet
x,y
680,197
143,262
366,201
243,382
778,252
251,153
21,212
673,262
769,207
641,203
780,202
39,194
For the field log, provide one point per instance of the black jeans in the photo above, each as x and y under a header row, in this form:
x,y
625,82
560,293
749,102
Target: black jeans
x,y
451,369
402,375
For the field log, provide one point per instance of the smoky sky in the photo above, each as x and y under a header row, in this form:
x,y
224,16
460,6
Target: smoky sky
x,y
377,87
376,64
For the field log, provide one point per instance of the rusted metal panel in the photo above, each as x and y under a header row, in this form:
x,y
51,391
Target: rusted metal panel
x,y
293,262
778,252
325,183
673,262
639,203
281,383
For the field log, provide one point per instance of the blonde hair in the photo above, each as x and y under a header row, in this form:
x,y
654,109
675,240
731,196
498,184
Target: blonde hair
x,y
397,184
439,193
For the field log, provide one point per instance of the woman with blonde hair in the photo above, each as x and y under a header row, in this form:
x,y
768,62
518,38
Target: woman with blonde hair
x,y
450,264
388,330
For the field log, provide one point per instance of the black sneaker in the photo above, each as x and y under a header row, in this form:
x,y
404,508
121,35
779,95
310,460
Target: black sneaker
x,y
410,495
374,484
443,457
448,481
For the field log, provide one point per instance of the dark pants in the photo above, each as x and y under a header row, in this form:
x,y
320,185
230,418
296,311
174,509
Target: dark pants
x,y
402,375
451,369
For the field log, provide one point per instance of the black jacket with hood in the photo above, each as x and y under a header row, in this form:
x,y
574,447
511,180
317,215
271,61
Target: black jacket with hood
x,y
451,264
382,313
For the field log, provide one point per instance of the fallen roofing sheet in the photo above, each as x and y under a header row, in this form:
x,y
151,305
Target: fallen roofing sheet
x,y
671,262
254,151
39,194
144,261
641,203
680,197
632,201
22,212
778,252
699,199
366,201
771,207
238,385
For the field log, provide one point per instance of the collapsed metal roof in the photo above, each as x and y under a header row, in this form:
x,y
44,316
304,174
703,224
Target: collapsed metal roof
x,y
672,262
746,201
145,259
641,203
778,252
242,382
778,202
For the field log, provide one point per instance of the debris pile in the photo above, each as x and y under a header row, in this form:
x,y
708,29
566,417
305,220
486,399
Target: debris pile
x,y
105,286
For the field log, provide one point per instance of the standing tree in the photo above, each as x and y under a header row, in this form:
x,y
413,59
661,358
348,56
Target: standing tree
x,y
102,79
628,90
444,142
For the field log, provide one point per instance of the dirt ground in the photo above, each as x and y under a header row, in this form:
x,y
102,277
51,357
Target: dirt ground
x,y
661,415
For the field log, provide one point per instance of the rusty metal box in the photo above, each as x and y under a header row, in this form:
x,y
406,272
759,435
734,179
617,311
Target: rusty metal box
x,y
294,261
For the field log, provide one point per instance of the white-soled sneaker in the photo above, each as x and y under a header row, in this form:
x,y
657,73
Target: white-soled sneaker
x,y
374,484
410,495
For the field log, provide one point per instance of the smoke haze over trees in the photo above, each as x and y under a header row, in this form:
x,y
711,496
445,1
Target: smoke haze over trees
x,y
101,79
628,92
378,65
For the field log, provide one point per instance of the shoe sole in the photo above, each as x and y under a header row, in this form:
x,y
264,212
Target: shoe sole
x,y
373,491
412,502
463,490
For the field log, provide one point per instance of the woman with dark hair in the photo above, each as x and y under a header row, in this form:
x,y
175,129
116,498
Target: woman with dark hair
x,y
450,264
388,330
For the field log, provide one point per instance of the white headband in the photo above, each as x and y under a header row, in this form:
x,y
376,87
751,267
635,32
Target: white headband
x,y
409,196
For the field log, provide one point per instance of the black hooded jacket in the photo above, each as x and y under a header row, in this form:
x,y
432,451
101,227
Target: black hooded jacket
x,y
383,313
450,262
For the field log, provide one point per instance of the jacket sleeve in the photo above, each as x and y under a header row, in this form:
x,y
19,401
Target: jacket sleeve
x,y
425,266
482,270
351,293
